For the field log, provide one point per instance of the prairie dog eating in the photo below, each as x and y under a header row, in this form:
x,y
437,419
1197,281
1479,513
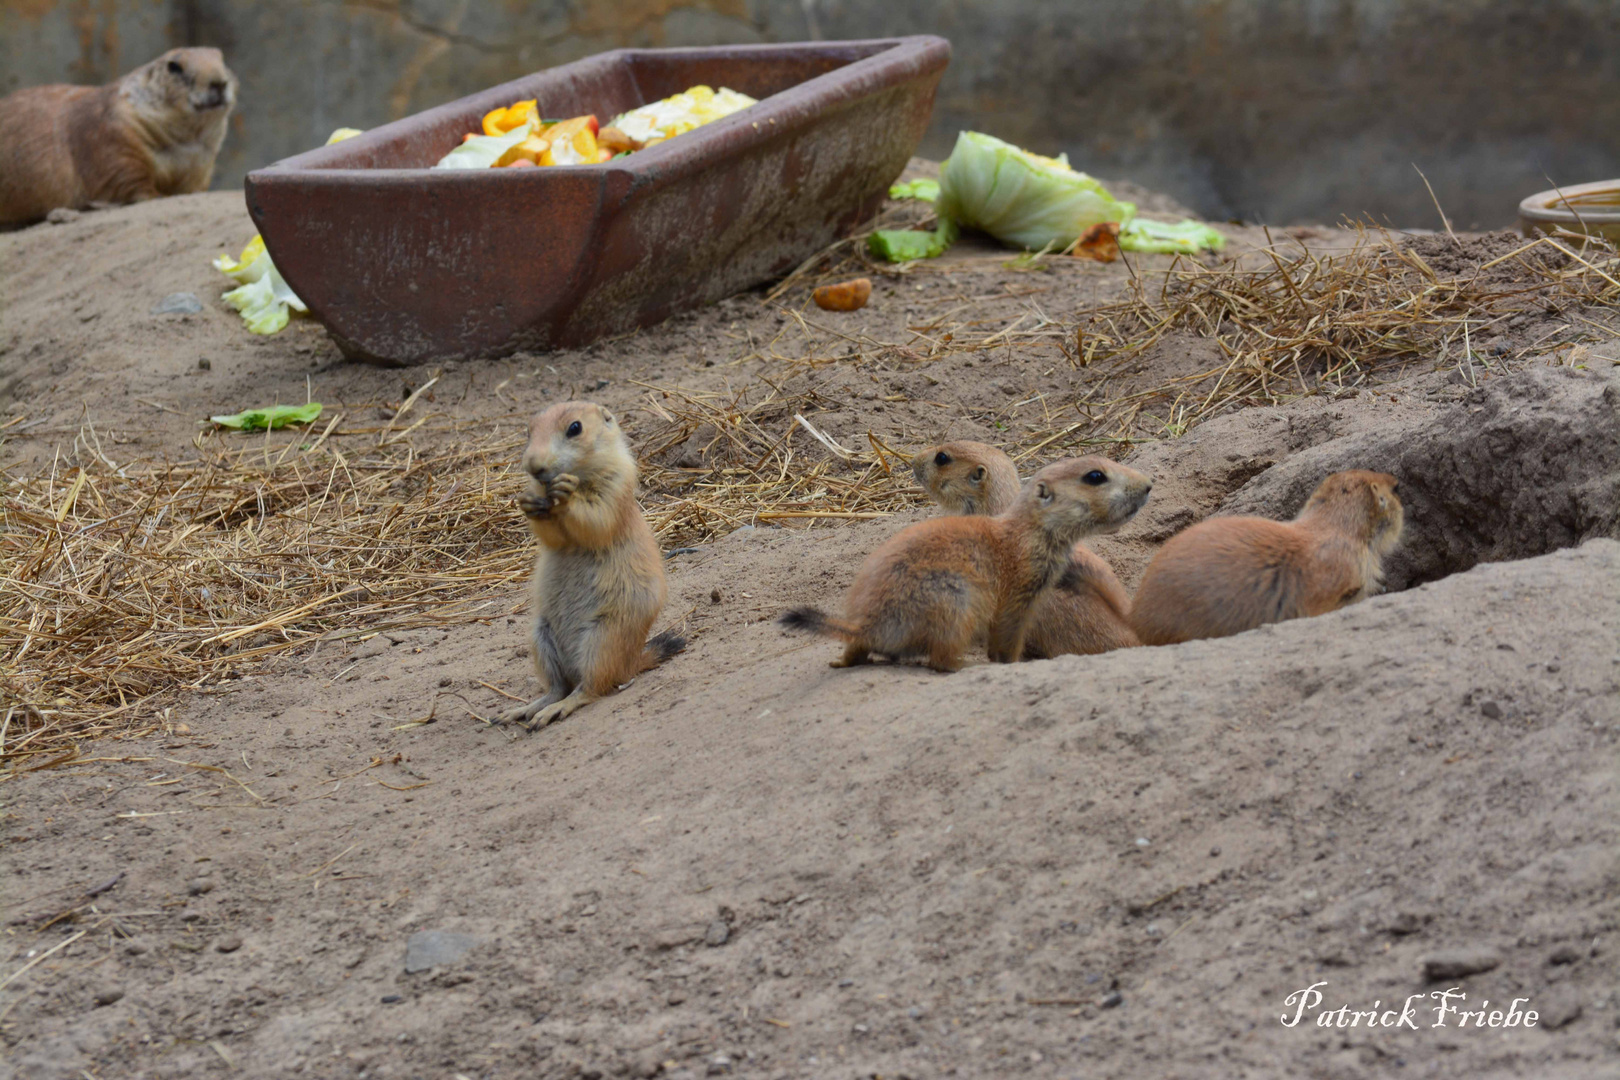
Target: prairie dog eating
x,y
1088,612
937,586
599,577
154,132
1230,574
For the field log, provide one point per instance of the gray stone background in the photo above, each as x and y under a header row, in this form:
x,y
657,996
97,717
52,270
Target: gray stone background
x,y
1277,111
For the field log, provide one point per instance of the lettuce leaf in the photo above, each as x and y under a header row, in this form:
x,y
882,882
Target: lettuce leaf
x,y
926,190
483,151
1184,237
262,296
904,245
274,416
1020,198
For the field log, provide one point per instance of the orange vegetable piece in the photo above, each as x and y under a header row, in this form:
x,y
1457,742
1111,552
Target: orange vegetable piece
x,y
613,139
573,142
845,296
1100,242
522,163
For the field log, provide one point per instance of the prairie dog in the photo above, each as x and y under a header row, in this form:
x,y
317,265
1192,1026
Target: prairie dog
x,y
1230,574
154,132
967,477
937,586
599,577
1088,612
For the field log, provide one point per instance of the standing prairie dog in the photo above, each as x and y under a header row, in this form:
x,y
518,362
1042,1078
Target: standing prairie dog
x,y
1089,611
937,586
154,132
599,577
1226,575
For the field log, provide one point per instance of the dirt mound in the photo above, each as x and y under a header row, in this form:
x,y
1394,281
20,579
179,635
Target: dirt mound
x,y
309,856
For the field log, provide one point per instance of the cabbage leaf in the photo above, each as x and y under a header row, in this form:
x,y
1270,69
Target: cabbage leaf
x,y
273,416
1020,198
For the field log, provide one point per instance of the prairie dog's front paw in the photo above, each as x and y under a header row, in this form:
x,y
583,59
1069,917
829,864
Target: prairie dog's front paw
x,y
562,486
534,505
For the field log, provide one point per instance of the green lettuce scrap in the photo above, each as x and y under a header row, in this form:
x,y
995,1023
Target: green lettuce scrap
x,y
926,190
904,245
274,416
1184,237
1022,199
483,151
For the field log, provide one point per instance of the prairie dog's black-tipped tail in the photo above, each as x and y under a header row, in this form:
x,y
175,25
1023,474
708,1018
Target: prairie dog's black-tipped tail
x,y
816,622
660,647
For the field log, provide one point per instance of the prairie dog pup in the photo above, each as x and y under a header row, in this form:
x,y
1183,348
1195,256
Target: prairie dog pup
x,y
1230,574
156,131
967,477
1088,611
599,577
937,586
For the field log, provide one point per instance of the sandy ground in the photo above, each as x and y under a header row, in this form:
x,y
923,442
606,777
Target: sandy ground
x,y
749,864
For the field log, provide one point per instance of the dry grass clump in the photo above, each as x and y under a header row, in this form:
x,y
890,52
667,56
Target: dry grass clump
x,y
120,585
753,455
1292,322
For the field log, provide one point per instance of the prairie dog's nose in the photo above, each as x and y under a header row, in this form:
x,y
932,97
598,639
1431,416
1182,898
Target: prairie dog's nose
x,y
540,473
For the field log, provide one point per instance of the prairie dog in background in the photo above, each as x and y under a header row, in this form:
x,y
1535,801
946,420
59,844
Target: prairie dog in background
x,y
154,132
599,577
1089,611
937,586
1230,574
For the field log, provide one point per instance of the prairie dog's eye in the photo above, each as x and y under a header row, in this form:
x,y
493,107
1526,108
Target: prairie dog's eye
x,y
1096,478
175,68
574,429
978,474
942,459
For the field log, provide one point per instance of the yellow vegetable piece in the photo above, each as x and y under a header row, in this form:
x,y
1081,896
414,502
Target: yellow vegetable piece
x,y
501,121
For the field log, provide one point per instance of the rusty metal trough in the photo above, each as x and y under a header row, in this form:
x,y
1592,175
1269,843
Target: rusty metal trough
x,y
405,264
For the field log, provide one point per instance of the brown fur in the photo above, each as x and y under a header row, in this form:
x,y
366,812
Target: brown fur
x,y
599,578
936,587
1230,574
154,132
1088,611
967,477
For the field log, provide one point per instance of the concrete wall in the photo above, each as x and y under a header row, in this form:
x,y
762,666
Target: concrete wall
x,y
1271,110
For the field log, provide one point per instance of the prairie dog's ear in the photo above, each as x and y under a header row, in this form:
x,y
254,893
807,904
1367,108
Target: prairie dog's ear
x,y
607,418
1042,492
978,475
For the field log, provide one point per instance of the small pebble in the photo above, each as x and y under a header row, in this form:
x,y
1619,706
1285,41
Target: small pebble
x,y
62,215
1214,851
199,886
1564,954
228,944
675,997
846,983
205,364
394,999
137,948
1559,1008
1112,1001
717,934
180,303
1456,963
1142,841
107,995
1490,710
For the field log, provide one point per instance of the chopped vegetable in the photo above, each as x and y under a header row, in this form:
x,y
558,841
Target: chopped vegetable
x,y
904,245
484,151
523,114
1100,242
262,297
926,190
845,296
680,113
274,416
1020,198
1184,237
